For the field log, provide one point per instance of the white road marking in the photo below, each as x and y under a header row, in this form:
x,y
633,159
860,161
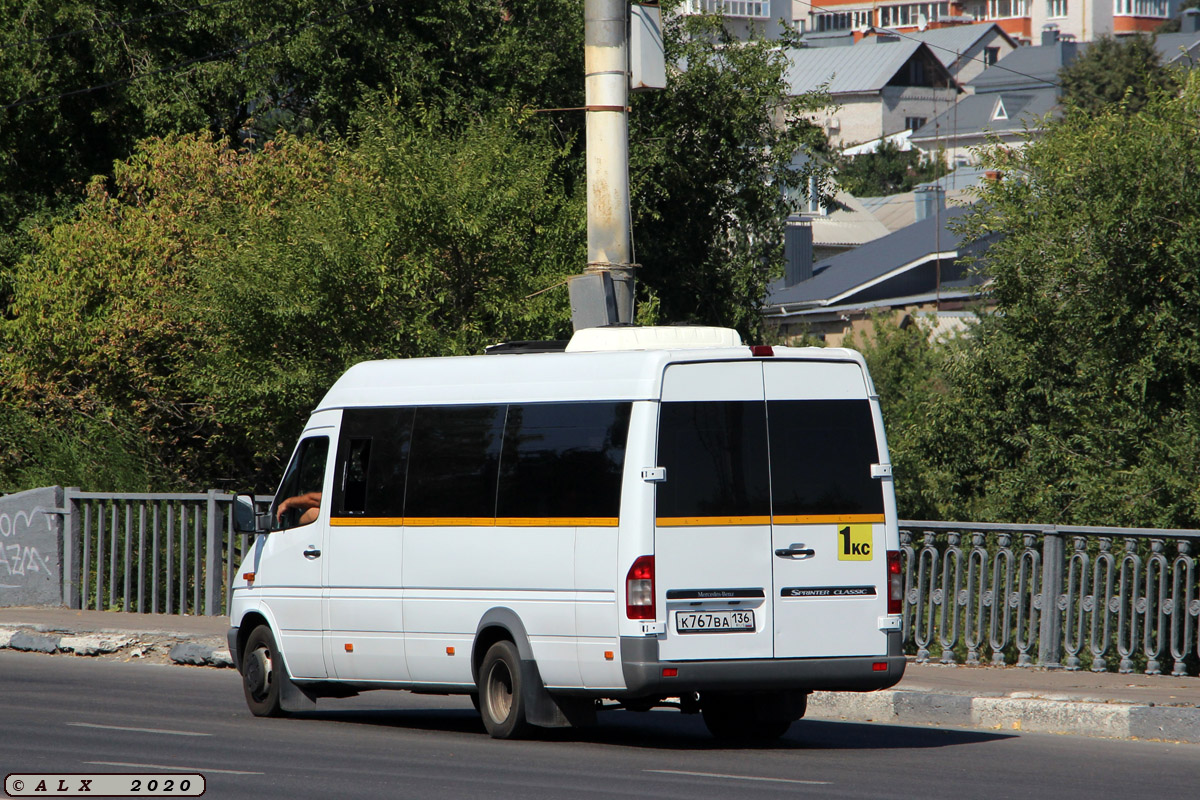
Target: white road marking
x,y
737,777
136,730
171,767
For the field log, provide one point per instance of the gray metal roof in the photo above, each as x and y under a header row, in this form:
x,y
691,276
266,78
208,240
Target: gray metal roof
x,y
848,69
1175,48
837,276
1033,67
972,115
948,44
898,211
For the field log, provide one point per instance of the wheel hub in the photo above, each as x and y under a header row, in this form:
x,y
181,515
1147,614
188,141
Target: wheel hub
x,y
258,673
500,693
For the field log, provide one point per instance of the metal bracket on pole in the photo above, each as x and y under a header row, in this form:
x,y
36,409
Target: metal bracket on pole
x,y
593,300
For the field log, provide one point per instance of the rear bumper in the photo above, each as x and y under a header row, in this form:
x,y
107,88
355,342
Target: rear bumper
x,y
644,671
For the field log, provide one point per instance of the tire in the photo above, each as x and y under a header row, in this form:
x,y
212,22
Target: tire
x,y
731,721
262,674
501,703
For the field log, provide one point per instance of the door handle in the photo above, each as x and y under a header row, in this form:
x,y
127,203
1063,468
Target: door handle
x,y
312,552
797,550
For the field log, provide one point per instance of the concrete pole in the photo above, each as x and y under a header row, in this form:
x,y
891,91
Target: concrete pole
x,y
606,84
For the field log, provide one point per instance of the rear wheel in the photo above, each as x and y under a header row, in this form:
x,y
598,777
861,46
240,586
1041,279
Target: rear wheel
x,y
262,670
752,717
500,683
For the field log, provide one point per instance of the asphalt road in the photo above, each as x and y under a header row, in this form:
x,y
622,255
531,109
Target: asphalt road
x,y
76,715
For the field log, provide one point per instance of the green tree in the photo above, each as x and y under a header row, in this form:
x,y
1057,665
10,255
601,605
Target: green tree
x,y
293,188
204,299
709,160
887,170
82,82
1077,401
1110,72
907,370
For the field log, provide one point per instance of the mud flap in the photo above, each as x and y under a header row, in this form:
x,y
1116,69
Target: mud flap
x,y
293,697
547,711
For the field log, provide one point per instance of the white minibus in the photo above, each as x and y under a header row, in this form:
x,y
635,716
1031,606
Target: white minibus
x,y
647,517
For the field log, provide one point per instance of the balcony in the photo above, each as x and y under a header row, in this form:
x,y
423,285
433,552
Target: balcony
x,y
747,9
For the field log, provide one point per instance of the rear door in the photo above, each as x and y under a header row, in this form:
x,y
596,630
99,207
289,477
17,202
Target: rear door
x,y
828,551
712,537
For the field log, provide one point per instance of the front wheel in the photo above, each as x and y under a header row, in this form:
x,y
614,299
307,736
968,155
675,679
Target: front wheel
x,y
500,700
262,673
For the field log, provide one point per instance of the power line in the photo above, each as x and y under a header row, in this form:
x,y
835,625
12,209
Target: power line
x,y
191,61
119,24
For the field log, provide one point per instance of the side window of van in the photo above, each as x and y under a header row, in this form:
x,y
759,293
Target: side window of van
x,y
715,454
821,457
563,460
372,462
305,475
453,462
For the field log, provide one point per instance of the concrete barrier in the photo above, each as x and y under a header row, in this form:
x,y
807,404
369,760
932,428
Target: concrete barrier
x,y
31,548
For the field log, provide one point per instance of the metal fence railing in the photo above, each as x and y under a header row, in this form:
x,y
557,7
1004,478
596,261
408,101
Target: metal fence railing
x,y
150,553
1105,599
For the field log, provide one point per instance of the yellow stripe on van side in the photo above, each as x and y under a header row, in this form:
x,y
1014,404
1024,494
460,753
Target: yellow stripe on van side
x,y
808,519
450,522
677,522
364,522
556,522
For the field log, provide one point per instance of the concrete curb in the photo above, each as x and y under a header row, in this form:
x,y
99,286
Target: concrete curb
x,y
1015,713
174,648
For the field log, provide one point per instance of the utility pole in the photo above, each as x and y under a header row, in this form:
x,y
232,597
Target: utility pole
x,y
604,293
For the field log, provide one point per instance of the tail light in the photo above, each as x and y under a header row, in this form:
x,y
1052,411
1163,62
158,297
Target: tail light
x,y
895,583
639,589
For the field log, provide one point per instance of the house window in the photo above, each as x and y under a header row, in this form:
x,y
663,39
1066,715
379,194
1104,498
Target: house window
x,y
912,14
842,21
917,72
1056,8
990,55
912,123
1140,8
1001,9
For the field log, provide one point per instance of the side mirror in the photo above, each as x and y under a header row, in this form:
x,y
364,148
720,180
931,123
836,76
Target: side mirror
x,y
246,518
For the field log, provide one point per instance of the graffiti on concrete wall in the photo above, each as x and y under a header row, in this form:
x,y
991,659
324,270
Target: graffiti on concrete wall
x,y
17,559
30,544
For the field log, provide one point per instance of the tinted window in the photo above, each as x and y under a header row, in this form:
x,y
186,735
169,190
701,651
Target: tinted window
x,y
821,457
563,460
453,461
715,454
305,475
372,462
